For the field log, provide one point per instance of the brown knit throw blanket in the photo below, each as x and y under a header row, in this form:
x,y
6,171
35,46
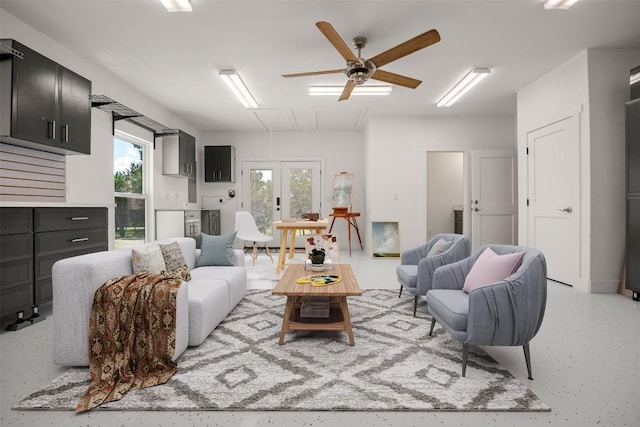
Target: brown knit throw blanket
x,y
132,336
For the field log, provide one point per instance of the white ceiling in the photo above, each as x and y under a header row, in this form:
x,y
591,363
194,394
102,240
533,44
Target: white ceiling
x,y
173,58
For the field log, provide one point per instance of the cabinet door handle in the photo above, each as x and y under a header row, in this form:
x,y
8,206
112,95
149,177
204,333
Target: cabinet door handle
x,y
79,218
52,129
79,239
65,133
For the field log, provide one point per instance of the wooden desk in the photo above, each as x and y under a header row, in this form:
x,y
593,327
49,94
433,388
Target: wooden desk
x,y
318,226
350,217
338,320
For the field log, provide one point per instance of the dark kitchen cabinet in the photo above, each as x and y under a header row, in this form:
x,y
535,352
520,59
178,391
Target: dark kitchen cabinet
x,y
179,155
632,122
47,106
32,240
62,233
219,163
16,263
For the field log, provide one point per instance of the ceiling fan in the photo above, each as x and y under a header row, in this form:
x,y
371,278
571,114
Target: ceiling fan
x,y
360,70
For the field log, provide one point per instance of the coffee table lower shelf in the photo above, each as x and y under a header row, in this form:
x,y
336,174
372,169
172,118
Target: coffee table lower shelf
x,y
338,319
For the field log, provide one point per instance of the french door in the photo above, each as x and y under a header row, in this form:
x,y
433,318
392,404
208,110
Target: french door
x,y
273,190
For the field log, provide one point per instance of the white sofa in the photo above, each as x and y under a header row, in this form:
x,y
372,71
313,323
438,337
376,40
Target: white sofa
x,y
202,304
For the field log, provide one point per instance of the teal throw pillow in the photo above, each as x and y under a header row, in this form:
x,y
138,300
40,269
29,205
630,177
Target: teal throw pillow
x,y
216,250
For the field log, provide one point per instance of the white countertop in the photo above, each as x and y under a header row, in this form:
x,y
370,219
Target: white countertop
x,y
54,205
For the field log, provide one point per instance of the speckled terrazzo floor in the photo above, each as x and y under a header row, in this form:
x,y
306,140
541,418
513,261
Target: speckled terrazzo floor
x,y
584,363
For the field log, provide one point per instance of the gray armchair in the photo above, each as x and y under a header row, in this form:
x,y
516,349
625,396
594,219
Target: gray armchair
x,y
507,312
416,268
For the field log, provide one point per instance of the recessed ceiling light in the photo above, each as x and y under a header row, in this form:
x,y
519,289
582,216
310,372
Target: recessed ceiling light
x,y
177,5
559,4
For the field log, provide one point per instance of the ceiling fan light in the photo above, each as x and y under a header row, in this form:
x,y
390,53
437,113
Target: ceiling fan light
x,y
239,89
177,5
471,79
335,90
559,4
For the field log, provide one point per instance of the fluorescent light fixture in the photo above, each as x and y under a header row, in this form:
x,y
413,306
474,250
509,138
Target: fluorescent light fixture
x,y
177,5
233,80
472,78
559,4
336,90
634,78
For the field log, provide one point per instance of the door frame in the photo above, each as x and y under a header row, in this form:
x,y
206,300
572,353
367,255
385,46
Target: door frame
x,y
466,217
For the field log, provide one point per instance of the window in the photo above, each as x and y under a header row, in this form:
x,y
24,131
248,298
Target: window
x,y
131,189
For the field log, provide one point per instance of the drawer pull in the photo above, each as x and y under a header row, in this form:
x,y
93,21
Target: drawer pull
x,y
79,218
80,239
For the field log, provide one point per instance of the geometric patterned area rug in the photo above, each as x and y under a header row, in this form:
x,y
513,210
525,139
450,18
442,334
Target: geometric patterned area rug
x,y
394,366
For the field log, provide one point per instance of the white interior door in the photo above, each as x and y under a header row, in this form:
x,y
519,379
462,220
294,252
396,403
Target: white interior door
x,y
493,197
280,189
554,197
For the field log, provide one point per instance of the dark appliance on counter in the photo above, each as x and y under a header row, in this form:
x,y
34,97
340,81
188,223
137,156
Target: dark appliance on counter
x,y
632,120
210,220
203,221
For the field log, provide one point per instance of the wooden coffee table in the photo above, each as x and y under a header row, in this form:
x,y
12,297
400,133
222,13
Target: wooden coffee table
x,y
338,319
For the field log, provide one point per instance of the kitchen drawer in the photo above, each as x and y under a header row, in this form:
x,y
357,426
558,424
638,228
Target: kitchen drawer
x,y
16,273
69,240
43,263
16,246
53,219
15,221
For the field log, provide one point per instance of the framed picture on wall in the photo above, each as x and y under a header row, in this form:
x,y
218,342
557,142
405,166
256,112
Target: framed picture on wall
x,y
342,189
385,238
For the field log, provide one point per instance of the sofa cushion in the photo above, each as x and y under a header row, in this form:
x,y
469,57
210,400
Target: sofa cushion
x,y
407,275
175,264
216,250
440,247
235,277
490,268
450,305
147,258
172,254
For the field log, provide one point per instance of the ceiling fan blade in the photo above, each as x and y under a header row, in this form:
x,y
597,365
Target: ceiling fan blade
x,y
332,35
313,73
348,88
396,79
406,48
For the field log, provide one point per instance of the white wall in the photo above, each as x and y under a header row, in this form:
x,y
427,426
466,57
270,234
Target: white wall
x,y
445,188
396,162
594,83
340,151
90,178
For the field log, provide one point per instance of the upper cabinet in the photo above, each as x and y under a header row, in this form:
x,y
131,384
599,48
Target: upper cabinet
x,y
179,155
45,105
219,163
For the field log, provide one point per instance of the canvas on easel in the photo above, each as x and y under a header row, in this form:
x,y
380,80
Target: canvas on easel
x,y
342,190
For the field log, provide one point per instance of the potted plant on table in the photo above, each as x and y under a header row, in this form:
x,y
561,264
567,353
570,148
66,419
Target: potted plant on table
x,y
317,258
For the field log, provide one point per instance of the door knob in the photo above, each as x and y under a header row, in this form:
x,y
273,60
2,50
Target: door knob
x,y
476,209
567,210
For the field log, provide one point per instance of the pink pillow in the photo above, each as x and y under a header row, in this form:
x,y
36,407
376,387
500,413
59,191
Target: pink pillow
x,y
490,268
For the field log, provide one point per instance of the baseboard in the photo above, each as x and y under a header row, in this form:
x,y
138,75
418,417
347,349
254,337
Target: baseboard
x,y
604,286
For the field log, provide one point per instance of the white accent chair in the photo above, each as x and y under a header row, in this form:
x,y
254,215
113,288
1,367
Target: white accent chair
x,y
247,230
